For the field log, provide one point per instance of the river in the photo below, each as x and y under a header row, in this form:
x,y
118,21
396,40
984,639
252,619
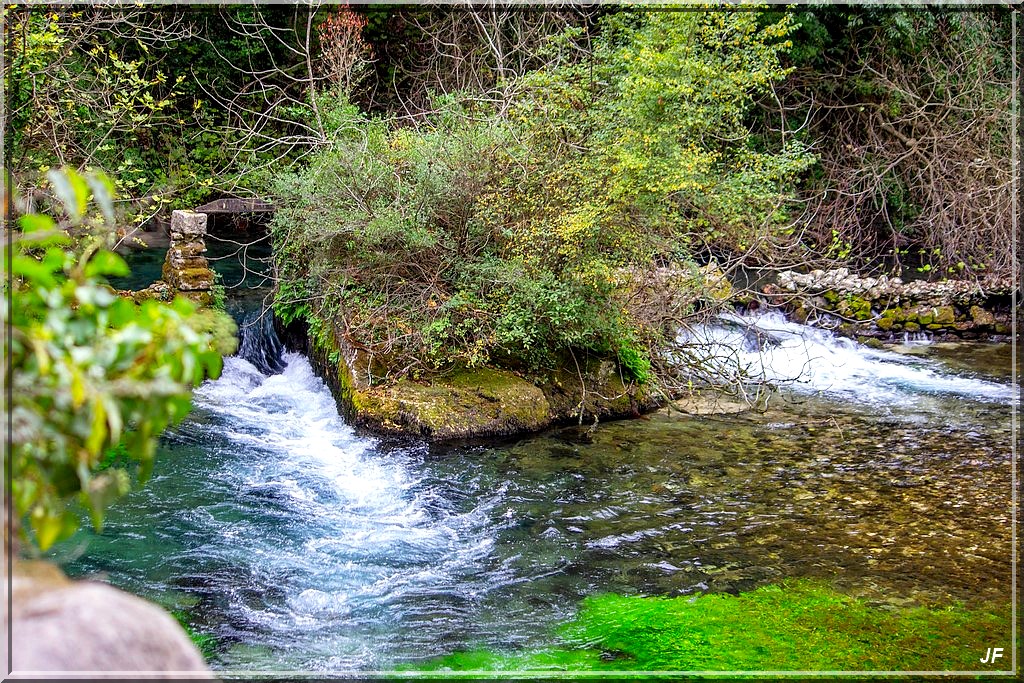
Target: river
x,y
299,544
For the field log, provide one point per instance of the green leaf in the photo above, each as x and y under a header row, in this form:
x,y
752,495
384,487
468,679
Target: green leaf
x,y
114,421
33,271
51,526
213,362
55,259
122,312
103,193
103,490
98,434
105,262
94,361
34,222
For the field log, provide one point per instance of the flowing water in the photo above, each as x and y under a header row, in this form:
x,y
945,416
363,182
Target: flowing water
x,y
300,544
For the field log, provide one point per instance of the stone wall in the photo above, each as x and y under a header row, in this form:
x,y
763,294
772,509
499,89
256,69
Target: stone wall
x,y
884,307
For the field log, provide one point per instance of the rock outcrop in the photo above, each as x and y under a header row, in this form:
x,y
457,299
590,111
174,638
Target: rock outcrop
x,y
474,402
481,402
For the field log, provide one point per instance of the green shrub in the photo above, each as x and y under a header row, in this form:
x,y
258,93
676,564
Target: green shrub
x,y
522,235
94,377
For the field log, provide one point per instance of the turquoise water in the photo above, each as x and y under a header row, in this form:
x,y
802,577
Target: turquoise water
x,y
300,544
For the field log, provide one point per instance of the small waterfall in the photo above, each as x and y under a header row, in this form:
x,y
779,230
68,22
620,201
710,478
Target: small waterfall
x,y
810,360
258,343
349,541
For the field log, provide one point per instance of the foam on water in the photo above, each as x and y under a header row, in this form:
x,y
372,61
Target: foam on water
x,y
370,541
767,346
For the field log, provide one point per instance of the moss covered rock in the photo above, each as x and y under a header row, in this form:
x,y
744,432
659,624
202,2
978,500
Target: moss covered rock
x,y
188,279
945,315
890,320
980,316
470,403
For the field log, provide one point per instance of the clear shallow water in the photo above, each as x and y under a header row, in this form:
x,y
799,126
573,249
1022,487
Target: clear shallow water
x,y
302,545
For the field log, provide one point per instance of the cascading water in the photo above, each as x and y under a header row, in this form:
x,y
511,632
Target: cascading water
x,y
301,545
258,343
808,360
347,542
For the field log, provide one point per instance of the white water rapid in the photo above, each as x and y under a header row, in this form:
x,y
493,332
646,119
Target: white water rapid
x,y
768,347
374,546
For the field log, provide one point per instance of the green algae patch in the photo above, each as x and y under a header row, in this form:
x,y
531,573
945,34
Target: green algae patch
x,y
204,642
794,626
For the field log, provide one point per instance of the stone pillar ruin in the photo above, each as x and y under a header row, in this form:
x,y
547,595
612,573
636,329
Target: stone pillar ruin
x,y
186,270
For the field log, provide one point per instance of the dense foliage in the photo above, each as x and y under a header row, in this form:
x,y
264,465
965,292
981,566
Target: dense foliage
x,y
175,104
909,111
521,233
93,377
460,188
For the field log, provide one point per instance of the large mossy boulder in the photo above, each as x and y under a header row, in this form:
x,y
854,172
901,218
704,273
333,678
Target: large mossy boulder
x,y
466,403
472,402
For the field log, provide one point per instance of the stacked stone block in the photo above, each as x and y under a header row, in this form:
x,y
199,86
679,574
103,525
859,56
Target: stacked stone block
x,y
185,268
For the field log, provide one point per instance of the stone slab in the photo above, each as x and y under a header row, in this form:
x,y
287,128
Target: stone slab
x,y
187,224
183,262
